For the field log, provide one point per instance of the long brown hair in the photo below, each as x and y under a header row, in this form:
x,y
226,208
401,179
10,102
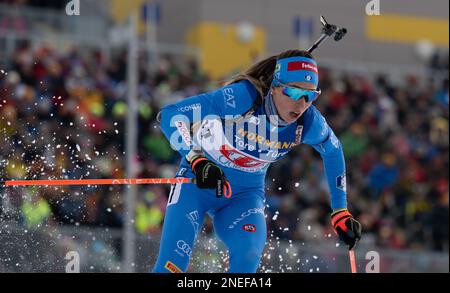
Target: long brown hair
x,y
261,74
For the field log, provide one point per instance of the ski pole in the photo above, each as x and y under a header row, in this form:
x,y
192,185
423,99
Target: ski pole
x,y
133,181
351,254
129,181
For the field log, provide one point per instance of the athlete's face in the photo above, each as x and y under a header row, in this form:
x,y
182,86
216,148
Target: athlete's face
x,y
288,109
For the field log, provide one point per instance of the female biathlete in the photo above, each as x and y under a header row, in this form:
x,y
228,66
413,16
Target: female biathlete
x,y
227,139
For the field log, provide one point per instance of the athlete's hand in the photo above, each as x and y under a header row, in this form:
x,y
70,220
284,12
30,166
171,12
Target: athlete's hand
x,y
210,176
346,227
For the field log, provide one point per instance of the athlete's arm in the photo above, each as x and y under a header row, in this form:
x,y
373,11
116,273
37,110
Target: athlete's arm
x,y
321,137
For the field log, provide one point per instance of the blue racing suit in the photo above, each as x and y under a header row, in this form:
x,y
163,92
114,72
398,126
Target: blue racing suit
x,y
230,128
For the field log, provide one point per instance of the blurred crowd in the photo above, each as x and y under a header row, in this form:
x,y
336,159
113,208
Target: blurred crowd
x,y
62,115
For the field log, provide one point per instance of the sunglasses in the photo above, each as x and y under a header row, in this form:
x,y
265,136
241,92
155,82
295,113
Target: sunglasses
x,y
297,93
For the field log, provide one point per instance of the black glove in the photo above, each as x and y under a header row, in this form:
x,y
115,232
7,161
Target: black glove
x,y
209,176
346,227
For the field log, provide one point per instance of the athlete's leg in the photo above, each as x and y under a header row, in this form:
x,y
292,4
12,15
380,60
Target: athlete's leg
x,y
241,225
182,222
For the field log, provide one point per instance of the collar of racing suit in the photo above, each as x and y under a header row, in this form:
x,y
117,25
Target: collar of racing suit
x,y
272,113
